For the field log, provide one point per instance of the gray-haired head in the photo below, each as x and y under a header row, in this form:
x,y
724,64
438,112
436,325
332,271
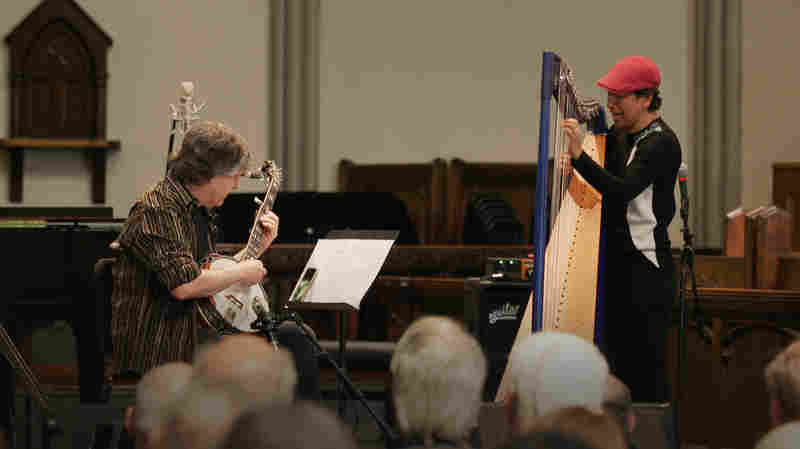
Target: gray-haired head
x,y
249,365
202,418
551,370
438,373
156,392
209,149
290,426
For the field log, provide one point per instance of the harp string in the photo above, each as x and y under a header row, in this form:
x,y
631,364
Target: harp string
x,y
561,211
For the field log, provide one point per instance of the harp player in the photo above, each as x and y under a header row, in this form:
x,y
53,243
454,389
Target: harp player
x,y
157,277
638,183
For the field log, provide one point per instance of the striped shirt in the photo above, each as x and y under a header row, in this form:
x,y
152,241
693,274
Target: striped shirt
x,y
163,241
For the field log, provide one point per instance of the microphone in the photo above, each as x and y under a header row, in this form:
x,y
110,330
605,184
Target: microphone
x,y
265,322
253,174
683,176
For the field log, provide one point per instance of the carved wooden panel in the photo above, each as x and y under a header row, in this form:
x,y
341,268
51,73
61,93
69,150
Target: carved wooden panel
x,y
58,100
58,89
58,73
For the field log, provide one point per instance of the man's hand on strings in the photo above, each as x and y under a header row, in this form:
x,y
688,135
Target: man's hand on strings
x,y
574,133
269,223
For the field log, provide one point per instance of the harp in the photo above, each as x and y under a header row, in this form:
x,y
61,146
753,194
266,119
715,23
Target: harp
x,y
565,293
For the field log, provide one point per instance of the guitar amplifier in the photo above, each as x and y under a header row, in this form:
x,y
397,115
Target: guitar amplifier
x,y
510,268
494,311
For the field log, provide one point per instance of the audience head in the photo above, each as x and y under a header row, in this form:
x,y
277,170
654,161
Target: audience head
x,y
438,373
248,367
202,418
619,404
785,436
156,392
595,428
298,425
551,370
546,440
782,376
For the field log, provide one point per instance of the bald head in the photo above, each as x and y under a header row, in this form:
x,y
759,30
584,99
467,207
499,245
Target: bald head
x,y
155,393
250,365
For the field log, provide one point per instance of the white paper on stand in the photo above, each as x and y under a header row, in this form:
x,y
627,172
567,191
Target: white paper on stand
x,y
345,268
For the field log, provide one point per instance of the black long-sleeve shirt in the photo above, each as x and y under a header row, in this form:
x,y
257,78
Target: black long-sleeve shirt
x,y
638,185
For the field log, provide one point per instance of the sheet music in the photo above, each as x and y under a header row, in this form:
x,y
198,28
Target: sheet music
x,y
345,268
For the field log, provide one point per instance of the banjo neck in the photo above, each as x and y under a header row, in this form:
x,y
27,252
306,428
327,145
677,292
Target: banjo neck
x,y
257,231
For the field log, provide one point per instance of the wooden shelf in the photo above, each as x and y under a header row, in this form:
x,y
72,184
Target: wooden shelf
x,y
17,146
78,144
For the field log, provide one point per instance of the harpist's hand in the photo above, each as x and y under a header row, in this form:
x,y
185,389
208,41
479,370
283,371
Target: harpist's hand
x,y
269,222
565,164
575,135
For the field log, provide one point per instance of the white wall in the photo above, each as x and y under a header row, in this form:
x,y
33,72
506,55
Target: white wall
x,y
414,80
770,94
157,44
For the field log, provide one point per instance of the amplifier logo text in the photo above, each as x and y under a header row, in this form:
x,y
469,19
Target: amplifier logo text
x,y
505,312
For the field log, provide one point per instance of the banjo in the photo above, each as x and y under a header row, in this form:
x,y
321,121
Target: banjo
x,y
238,306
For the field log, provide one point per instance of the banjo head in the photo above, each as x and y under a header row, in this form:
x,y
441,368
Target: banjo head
x,y
235,306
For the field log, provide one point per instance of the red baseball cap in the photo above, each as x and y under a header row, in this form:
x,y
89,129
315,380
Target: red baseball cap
x,y
631,74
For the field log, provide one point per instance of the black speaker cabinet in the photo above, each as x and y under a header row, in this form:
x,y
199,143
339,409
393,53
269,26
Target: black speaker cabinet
x,y
494,312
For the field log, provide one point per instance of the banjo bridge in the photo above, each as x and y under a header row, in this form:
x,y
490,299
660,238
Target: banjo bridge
x,y
235,301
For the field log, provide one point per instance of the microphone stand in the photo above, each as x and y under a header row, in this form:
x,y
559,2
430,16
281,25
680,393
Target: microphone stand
x,y
268,323
686,271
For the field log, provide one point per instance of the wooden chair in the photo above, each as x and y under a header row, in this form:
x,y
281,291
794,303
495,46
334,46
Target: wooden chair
x,y
419,186
786,194
514,182
772,239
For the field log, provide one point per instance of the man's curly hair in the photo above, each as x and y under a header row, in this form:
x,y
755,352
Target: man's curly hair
x,y
209,149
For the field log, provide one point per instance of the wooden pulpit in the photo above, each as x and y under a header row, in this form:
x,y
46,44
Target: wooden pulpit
x,y
58,77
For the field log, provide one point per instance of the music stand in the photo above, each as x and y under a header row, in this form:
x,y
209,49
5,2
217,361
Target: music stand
x,y
337,275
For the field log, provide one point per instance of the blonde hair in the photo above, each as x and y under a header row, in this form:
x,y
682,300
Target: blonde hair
x,y
596,429
438,371
782,377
